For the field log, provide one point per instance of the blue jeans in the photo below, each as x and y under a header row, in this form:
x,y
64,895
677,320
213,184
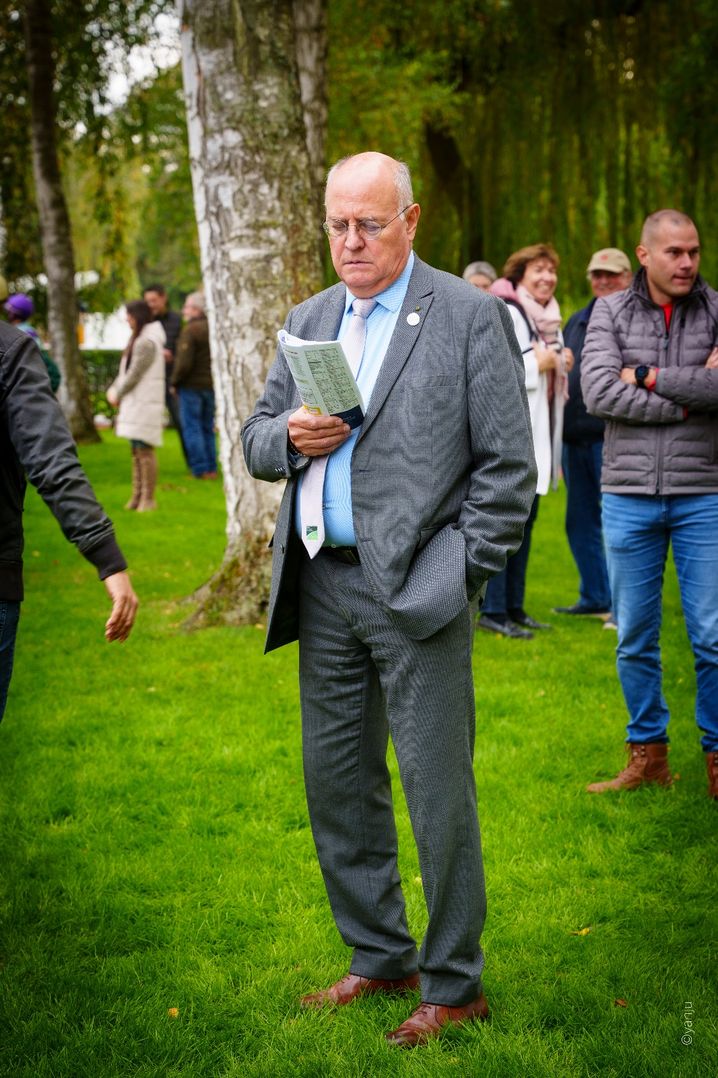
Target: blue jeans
x,y
638,530
197,413
582,473
9,616
505,592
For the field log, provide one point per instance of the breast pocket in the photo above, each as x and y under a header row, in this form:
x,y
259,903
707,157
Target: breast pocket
x,y
440,410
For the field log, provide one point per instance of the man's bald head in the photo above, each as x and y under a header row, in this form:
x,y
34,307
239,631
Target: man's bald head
x,y
380,163
371,221
654,222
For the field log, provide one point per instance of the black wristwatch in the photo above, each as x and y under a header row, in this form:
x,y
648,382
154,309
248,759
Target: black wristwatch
x,y
642,373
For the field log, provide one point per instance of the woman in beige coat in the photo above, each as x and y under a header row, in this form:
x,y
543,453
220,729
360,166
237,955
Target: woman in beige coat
x,y
139,392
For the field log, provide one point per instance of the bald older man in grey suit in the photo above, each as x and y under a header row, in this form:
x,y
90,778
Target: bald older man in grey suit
x,y
418,507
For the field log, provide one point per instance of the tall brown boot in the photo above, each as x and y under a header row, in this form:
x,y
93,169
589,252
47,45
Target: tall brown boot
x,y
136,482
712,766
646,763
148,478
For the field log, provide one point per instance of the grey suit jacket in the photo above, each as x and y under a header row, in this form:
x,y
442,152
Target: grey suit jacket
x,y
443,472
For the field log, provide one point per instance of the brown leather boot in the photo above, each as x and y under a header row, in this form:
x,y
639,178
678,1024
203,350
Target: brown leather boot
x,y
148,478
136,482
712,766
646,763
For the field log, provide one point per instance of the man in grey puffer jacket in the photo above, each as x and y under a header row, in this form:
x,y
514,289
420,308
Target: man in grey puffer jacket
x,y
650,369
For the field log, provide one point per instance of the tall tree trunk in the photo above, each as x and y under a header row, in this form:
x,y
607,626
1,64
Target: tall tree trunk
x,y
256,215
56,234
310,22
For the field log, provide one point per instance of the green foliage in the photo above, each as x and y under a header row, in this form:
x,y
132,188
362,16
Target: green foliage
x,y
157,853
153,124
521,121
22,253
101,366
525,122
92,41
131,199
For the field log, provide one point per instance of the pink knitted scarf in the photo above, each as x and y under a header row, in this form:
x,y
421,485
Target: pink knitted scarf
x,y
547,318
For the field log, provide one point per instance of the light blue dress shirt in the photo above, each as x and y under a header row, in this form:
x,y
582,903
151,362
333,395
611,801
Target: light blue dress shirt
x,y
380,325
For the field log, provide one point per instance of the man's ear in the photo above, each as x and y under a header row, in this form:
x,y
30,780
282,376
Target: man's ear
x,y
412,219
642,254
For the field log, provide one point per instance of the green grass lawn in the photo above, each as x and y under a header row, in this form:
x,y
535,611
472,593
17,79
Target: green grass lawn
x,y
162,909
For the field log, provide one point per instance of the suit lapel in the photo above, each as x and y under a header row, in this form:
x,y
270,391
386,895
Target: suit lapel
x,y
418,299
323,325
331,314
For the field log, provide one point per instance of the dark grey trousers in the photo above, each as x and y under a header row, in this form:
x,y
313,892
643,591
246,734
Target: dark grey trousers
x,y
362,681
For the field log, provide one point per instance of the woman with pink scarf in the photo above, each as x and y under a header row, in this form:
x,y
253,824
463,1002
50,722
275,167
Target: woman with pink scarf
x,y
527,286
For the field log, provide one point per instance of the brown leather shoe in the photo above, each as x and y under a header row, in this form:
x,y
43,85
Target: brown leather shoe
x,y
646,763
351,986
712,766
429,1019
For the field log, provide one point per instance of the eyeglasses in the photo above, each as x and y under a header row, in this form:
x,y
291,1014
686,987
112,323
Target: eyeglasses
x,y
367,228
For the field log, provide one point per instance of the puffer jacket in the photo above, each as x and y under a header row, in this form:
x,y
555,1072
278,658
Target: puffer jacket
x,y
663,441
140,386
35,441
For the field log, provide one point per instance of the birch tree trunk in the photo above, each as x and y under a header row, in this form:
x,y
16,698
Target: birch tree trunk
x,y
56,235
256,215
310,21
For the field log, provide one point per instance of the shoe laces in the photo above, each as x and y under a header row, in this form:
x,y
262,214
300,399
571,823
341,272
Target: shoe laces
x,y
424,1010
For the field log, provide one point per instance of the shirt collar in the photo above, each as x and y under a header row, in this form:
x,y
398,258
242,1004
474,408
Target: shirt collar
x,y
393,296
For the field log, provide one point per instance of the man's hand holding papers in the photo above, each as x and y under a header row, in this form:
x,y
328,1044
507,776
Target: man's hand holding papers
x,y
316,435
332,404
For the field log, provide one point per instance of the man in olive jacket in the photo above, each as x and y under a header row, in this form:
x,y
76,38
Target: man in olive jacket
x,y
650,369
192,379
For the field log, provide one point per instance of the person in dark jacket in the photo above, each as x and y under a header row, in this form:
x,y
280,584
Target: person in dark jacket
x,y
36,443
19,310
192,378
608,271
650,369
155,296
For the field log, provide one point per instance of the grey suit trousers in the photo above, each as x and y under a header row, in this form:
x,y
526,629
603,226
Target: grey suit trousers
x,y
362,681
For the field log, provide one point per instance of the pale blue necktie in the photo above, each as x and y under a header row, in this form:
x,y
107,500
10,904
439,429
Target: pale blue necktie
x,y
311,509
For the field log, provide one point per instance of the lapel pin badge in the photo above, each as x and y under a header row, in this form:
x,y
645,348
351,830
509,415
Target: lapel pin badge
x,y
413,319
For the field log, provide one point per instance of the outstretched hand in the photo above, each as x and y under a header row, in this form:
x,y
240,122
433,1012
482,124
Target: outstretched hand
x,y
124,606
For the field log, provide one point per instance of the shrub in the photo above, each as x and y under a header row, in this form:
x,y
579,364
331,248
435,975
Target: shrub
x,y
101,366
